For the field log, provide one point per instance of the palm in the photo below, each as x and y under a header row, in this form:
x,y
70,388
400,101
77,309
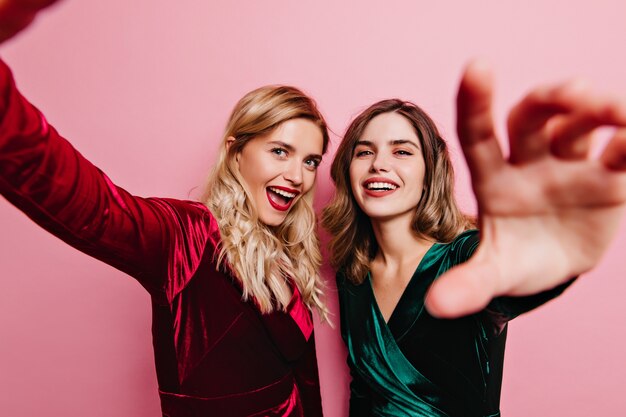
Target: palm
x,y
548,212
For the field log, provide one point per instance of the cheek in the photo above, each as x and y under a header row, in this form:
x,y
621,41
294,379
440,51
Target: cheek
x,y
252,170
414,174
309,179
244,172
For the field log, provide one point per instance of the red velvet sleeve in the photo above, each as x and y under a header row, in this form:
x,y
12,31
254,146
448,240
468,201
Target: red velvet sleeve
x,y
160,242
307,378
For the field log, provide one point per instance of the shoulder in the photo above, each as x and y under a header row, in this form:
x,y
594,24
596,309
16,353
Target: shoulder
x,y
455,252
468,239
347,288
464,245
193,218
184,208
342,281
191,208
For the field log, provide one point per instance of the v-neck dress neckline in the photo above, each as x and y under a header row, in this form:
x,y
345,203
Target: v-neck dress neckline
x,y
411,302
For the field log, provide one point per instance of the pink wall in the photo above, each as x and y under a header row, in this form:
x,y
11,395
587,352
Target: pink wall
x,y
143,88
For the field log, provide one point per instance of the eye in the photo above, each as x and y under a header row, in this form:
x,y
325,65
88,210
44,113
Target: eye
x,y
280,152
403,152
363,152
312,163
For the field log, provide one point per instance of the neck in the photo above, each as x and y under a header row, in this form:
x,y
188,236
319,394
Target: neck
x,y
397,242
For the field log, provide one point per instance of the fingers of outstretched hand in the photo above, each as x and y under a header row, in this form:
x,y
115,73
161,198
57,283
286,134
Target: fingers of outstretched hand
x,y
528,121
475,122
560,120
571,134
614,155
463,290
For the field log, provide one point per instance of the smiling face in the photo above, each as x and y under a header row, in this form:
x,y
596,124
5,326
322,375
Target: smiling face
x,y
387,168
278,168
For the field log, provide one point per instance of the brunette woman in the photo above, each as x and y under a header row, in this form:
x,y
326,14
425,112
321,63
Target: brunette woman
x,y
232,278
545,215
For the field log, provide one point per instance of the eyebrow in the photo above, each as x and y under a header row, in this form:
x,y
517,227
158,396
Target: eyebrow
x,y
290,148
282,144
391,142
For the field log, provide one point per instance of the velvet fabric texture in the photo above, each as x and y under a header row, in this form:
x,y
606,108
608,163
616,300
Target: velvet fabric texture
x,y
215,354
417,365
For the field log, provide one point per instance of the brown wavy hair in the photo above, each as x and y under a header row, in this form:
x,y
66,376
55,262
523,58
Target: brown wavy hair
x,y
262,256
437,216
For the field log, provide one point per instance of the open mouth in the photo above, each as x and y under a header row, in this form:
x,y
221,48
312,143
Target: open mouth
x,y
281,198
379,187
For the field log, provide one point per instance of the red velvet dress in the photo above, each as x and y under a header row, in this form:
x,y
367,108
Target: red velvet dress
x,y
215,355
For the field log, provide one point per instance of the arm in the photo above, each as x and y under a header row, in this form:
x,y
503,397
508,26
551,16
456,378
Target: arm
x,y
157,241
505,308
307,379
15,15
360,397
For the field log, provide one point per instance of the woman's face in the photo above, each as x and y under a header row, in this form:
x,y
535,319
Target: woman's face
x,y
387,168
280,167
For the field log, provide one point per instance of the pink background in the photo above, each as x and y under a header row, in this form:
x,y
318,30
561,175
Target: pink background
x,y
143,89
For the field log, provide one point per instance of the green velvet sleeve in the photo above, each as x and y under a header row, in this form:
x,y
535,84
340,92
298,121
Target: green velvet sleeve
x,y
360,397
503,309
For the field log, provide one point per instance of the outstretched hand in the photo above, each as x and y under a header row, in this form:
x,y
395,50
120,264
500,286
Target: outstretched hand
x,y
549,211
15,15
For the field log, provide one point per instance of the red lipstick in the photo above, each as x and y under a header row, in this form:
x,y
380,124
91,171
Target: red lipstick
x,y
281,198
387,187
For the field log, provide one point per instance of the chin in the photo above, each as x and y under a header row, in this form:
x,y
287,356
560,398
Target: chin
x,y
381,213
272,220
380,216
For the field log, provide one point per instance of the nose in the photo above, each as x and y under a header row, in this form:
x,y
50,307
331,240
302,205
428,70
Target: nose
x,y
293,172
379,163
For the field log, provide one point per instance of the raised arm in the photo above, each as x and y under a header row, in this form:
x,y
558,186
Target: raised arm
x,y
158,241
15,15
548,211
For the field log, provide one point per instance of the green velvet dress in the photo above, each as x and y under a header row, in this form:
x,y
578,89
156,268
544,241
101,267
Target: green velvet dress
x,y
417,365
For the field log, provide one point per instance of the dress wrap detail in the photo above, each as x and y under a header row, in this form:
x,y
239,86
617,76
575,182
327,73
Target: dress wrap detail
x,y
419,365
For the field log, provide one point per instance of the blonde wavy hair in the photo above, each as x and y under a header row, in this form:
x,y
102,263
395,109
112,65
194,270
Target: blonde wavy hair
x,y
436,217
261,256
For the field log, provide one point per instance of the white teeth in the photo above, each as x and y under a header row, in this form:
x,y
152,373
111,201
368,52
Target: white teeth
x,y
381,186
283,193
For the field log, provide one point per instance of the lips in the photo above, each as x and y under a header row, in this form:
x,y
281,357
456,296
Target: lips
x,y
379,186
281,198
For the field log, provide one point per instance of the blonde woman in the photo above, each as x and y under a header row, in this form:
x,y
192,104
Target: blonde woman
x,y
232,279
425,298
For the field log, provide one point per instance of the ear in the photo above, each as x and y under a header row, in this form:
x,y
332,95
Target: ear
x,y
229,142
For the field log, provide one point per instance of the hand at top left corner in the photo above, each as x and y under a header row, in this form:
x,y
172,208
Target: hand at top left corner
x,y
15,15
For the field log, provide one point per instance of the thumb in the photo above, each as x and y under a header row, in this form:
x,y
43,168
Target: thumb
x,y
463,290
